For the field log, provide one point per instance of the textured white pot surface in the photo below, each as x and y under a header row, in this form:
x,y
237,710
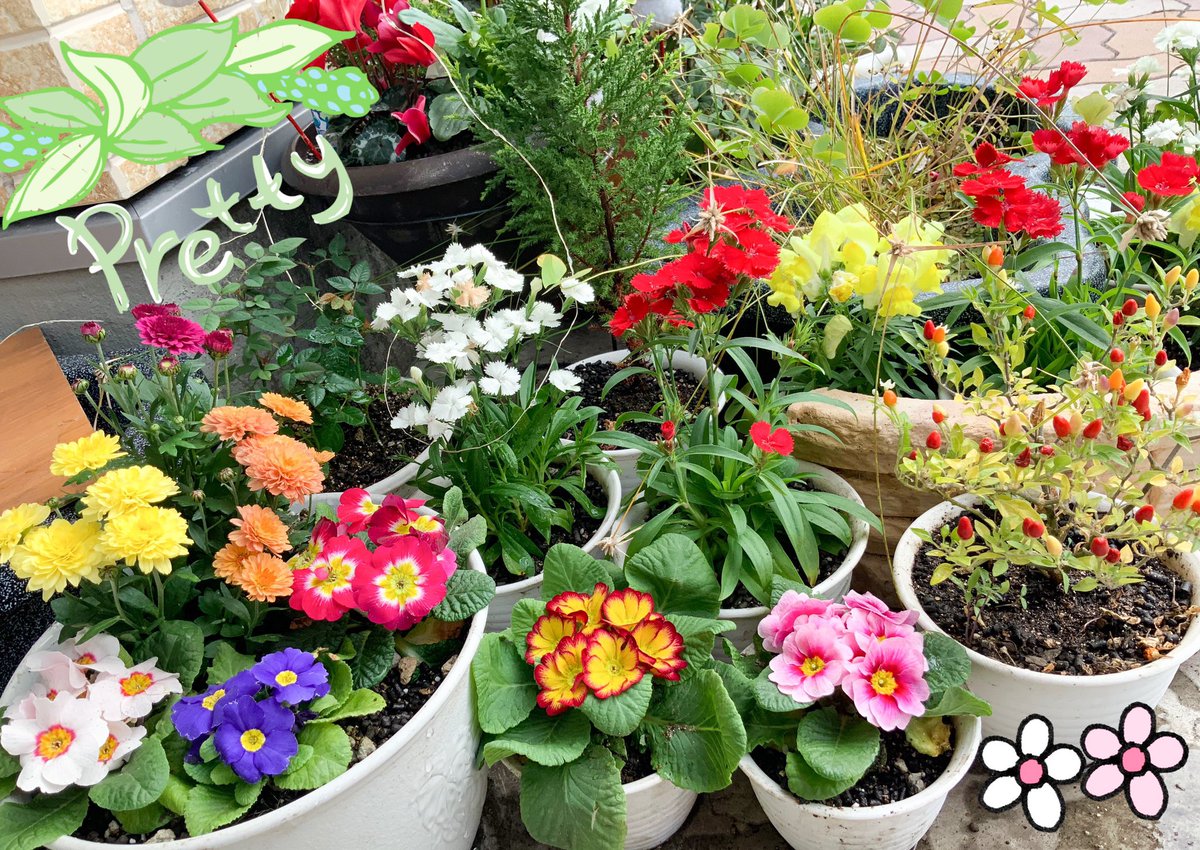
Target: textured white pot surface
x,y
627,459
664,12
746,620
1071,703
507,595
420,789
895,826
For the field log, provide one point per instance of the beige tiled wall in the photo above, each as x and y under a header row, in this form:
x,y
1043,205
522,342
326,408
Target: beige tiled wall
x,y
32,30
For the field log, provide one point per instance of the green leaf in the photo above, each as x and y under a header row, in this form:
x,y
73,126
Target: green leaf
x,y
949,666
467,593
329,760
675,572
374,652
136,785
123,87
569,568
45,818
524,614
544,739
282,46
67,172
179,647
211,807
227,663
247,795
10,765
769,697
54,109
144,820
928,735
175,795
807,784
579,805
956,701
620,715
696,735
838,746
304,754
469,536
448,116
505,691
777,111
157,137
228,97
182,59
358,704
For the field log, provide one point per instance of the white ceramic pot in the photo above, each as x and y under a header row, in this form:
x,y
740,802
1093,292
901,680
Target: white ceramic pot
x,y
1071,703
393,483
895,826
746,620
627,459
663,12
507,595
422,784
654,809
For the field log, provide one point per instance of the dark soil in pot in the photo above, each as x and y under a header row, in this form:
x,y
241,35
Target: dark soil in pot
x,y
406,690
373,451
899,772
636,394
1078,634
637,762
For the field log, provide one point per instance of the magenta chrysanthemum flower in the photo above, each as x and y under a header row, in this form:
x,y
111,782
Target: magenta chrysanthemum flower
x,y
145,311
888,686
813,663
795,609
173,333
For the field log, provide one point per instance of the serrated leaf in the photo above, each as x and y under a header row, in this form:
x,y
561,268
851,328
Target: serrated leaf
x,y
144,820
579,805
696,735
505,691
840,747
330,758
467,593
675,572
768,696
358,704
210,807
544,739
42,820
569,568
227,663
138,783
374,652
620,715
956,701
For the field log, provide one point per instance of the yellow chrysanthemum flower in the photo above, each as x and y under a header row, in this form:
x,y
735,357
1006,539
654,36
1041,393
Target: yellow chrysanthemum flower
x,y
14,522
94,451
146,537
123,490
53,556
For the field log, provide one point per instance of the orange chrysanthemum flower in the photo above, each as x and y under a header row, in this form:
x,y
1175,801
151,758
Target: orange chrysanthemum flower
x,y
228,561
288,408
282,466
263,577
259,529
237,423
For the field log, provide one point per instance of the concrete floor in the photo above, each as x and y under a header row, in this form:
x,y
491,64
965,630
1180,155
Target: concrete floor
x,y
732,819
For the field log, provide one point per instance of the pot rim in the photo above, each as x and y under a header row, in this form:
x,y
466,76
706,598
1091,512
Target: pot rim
x,y
646,783
612,487
969,731
235,834
1188,565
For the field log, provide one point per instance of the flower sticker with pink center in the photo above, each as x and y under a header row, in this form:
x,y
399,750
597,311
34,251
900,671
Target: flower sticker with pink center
x,y
1029,773
1132,759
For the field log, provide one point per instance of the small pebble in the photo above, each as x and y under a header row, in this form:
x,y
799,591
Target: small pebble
x,y
161,837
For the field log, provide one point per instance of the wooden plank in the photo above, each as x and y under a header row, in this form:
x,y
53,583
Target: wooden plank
x,y
38,411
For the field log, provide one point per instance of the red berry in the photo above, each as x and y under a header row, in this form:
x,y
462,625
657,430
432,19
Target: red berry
x,y
1116,355
1033,528
1062,427
1092,430
1113,556
1160,359
934,440
1183,499
1047,451
1118,318
1099,547
1130,307
1142,403
987,444
939,415
929,326
966,530
1029,313
1144,514
912,455
1124,443
1024,458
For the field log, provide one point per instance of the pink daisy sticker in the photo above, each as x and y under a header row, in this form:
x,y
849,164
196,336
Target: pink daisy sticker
x,y
1132,759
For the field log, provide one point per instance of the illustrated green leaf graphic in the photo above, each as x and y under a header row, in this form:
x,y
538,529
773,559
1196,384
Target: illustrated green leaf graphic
x,y
505,691
579,805
54,109
158,137
229,97
282,46
123,86
696,735
182,59
67,173
837,746
544,739
330,757
139,783
45,818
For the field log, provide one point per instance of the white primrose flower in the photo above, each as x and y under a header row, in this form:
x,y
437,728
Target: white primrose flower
x,y
565,380
500,379
452,402
412,416
58,746
130,693
122,741
65,666
578,290
544,315
1162,133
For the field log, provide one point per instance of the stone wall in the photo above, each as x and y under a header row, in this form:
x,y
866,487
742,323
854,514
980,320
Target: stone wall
x,y
32,30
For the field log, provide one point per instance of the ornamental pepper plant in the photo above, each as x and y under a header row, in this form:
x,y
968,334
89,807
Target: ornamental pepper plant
x,y
829,678
610,669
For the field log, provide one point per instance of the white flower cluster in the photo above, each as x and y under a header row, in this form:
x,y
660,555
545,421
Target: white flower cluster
x,y
1171,132
79,722
1177,37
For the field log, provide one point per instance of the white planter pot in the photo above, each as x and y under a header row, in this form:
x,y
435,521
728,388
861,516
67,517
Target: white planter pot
x,y
654,809
421,784
394,482
1071,703
507,595
664,12
746,620
627,459
895,826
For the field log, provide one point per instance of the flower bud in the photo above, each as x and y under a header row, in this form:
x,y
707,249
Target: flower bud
x,y
1171,319
927,331
939,335
993,255
1116,381
126,372
1153,308
218,343
1129,308
966,529
93,332
1053,546
1172,276
668,430
1116,355
942,349
1181,380
168,366
198,496
1118,319
1191,279
227,475
81,386
1033,528
415,374
1029,312
1113,555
